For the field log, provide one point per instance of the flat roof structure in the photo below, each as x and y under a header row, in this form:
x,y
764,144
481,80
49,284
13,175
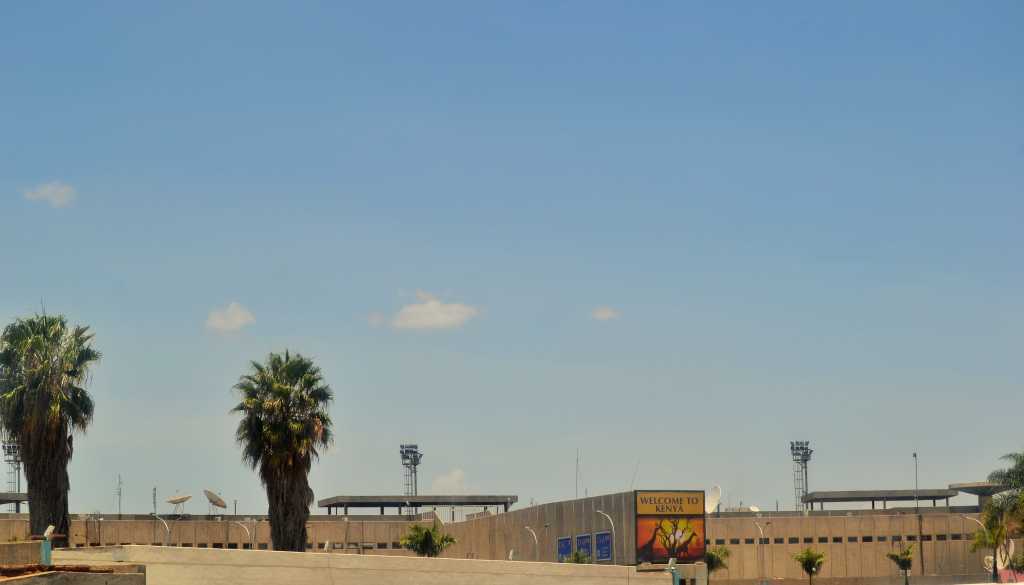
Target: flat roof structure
x,y
13,497
979,488
400,502
883,496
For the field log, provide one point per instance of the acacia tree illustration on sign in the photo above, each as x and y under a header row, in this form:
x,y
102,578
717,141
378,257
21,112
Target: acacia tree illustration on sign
x,y
675,535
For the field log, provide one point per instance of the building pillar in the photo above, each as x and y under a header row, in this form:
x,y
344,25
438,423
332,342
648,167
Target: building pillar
x,y
382,510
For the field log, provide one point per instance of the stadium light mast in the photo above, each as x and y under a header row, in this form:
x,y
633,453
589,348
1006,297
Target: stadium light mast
x,y
411,457
801,451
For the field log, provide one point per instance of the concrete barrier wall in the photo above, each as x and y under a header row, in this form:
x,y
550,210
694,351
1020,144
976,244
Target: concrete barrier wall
x,y
178,566
20,553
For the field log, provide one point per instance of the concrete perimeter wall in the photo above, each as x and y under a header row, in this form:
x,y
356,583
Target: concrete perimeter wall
x,y
181,566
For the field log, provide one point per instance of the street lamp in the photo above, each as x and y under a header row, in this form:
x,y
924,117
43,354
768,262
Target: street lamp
x,y
760,542
536,543
248,535
167,536
995,547
612,523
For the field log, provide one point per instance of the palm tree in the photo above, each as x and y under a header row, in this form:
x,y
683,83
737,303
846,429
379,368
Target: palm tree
x,y
810,561
427,542
284,425
904,560
44,366
999,519
1013,476
716,558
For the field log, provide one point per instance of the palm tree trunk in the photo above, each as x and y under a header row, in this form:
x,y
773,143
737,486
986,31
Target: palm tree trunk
x,y
46,453
289,497
906,577
995,563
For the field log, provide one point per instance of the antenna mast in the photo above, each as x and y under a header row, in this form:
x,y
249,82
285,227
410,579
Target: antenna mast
x,y
119,492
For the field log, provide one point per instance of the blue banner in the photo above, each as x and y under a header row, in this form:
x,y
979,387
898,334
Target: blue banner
x,y
564,549
584,544
604,546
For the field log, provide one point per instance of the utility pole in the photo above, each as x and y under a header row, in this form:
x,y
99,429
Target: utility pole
x,y
154,500
119,492
920,519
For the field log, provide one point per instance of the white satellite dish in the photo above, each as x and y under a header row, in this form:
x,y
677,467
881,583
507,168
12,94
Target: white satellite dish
x,y
755,509
215,500
711,502
179,503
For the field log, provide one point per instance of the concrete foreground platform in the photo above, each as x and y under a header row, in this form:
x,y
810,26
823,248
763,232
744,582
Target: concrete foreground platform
x,y
188,566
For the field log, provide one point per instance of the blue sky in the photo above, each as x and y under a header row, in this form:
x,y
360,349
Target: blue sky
x,y
796,220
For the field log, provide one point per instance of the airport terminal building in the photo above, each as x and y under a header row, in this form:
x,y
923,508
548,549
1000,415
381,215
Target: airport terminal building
x,y
627,528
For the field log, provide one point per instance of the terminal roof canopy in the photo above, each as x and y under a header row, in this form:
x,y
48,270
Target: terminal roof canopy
x,y
979,488
13,497
879,495
415,501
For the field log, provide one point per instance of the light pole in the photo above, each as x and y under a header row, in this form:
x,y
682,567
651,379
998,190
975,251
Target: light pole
x,y
248,535
536,543
995,547
917,507
166,527
760,542
345,547
612,523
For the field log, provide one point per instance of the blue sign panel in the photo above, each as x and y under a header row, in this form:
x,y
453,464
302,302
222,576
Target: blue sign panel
x,y
584,544
564,549
604,546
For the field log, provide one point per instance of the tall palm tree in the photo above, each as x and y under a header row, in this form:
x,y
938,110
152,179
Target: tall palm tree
x,y
284,426
44,366
810,561
1013,476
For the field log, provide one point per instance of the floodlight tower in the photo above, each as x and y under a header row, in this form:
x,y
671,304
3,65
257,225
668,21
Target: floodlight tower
x,y
12,457
801,451
411,457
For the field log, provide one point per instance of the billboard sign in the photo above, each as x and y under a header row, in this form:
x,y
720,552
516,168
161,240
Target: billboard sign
x,y
669,525
564,549
603,542
584,544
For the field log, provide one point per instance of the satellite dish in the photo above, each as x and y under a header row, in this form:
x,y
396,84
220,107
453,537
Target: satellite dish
x,y
178,500
215,500
755,509
711,502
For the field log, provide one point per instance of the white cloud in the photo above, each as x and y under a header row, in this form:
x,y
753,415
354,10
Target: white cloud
x,y
451,483
604,314
231,318
431,313
56,193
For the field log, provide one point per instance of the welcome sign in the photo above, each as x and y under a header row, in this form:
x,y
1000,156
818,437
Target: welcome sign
x,y
679,503
669,525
